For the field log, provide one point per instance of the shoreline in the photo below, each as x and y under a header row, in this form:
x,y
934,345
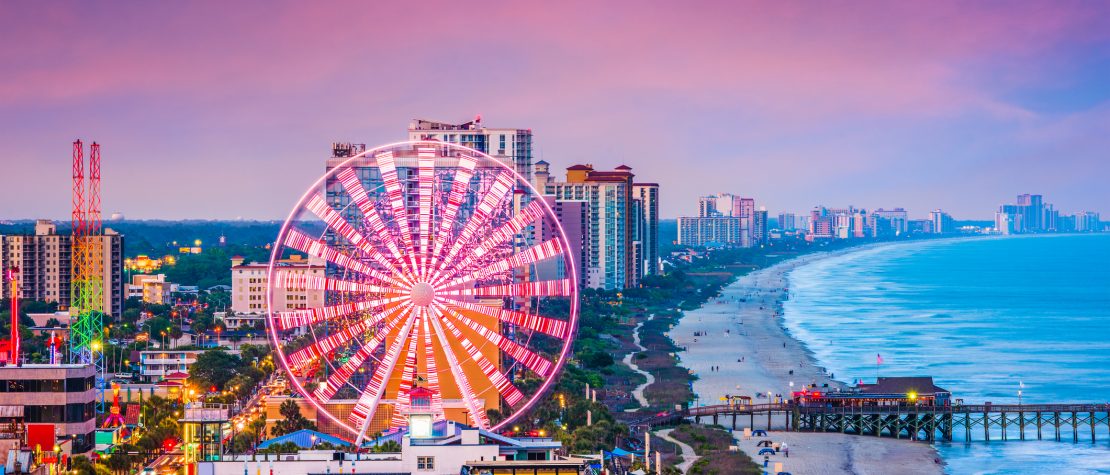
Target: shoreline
x,y
737,344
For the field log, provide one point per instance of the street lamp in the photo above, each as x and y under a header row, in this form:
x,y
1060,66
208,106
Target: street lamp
x,y
1021,386
313,437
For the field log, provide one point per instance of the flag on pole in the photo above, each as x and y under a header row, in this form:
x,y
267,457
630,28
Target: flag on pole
x,y
878,358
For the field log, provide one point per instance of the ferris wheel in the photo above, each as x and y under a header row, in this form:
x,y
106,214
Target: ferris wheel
x,y
449,288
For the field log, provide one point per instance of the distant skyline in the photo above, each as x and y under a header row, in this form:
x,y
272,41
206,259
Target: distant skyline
x,y
216,111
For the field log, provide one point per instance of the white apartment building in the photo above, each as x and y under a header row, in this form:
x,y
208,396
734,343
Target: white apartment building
x,y
709,230
249,283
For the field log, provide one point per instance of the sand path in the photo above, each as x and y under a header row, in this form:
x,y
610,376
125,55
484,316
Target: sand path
x,y
688,454
638,393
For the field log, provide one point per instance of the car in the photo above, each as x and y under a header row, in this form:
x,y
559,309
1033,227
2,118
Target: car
x,y
148,471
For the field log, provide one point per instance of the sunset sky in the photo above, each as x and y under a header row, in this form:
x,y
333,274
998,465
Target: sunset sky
x,y
227,109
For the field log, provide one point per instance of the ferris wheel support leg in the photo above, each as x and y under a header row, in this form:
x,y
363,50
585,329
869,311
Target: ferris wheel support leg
x,y
391,363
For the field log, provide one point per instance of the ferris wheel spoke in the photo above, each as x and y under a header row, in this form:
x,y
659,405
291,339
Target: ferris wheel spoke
x,y
532,361
430,367
549,326
503,234
425,176
505,387
476,413
349,178
309,354
537,253
543,288
403,404
339,224
388,168
459,188
288,319
299,241
292,280
343,373
367,404
501,186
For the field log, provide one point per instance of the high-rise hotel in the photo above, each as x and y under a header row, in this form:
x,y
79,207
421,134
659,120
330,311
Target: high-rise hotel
x,y
724,220
45,265
621,240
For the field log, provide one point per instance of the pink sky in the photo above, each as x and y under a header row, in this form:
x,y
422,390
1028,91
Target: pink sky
x,y
207,110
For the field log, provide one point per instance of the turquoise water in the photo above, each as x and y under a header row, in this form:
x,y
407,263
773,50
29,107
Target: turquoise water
x,y
979,315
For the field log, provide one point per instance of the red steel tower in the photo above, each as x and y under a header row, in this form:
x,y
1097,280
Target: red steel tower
x,y
86,297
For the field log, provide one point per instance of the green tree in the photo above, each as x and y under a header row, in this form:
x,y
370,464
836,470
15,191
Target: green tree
x,y
292,419
119,462
201,323
148,445
251,353
81,465
387,447
241,385
214,369
156,325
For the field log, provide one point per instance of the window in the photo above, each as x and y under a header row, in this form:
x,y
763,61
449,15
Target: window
x,y
426,463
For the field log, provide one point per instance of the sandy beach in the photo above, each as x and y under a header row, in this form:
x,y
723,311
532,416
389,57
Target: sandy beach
x,y
736,345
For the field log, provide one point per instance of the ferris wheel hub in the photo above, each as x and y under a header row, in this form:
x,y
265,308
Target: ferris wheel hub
x,y
422,294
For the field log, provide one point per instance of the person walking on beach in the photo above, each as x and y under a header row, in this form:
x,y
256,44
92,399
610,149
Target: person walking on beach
x,y
785,450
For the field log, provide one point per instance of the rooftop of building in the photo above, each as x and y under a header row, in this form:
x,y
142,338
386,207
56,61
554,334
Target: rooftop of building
x,y
902,385
451,433
432,125
295,260
29,367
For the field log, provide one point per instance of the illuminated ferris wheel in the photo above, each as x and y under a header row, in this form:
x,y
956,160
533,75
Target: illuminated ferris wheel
x,y
449,290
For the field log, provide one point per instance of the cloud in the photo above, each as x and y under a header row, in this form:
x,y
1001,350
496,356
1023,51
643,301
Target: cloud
x,y
795,98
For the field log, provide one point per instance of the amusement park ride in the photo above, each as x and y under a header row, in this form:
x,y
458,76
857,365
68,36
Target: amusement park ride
x,y
449,277
86,306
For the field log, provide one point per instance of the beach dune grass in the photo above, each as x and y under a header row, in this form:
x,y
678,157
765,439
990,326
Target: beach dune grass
x,y
672,382
725,463
704,439
712,443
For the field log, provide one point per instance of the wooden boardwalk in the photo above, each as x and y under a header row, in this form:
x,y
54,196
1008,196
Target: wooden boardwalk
x,y
1043,421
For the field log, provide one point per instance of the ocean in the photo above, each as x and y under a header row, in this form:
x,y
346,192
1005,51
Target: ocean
x,y
986,317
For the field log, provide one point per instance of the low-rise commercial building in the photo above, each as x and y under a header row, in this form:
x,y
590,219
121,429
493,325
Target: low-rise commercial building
x,y
151,288
63,396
